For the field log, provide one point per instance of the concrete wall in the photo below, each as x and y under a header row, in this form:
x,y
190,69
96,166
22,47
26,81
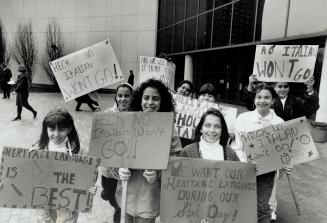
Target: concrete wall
x,y
129,24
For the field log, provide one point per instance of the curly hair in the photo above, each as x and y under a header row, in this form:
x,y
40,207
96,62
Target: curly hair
x,y
166,104
224,129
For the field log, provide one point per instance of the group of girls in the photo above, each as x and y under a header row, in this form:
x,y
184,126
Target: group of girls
x,y
211,142
286,106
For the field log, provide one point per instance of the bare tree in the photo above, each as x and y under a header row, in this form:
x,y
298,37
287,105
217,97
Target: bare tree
x,y
4,55
25,49
54,48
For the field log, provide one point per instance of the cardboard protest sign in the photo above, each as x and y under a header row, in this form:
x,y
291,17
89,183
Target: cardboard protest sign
x,y
157,68
42,179
189,112
139,140
285,63
287,143
207,191
86,70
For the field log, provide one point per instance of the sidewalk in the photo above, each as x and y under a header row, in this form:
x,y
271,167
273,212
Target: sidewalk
x,y
309,180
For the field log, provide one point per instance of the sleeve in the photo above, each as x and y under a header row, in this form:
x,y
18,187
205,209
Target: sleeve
x,y
183,153
237,144
311,103
109,172
249,99
307,105
231,155
175,145
19,84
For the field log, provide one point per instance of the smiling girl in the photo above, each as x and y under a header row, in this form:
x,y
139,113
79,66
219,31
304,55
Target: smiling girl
x,y
59,134
143,193
123,100
211,137
261,117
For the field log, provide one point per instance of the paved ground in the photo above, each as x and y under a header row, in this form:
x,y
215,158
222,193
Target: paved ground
x,y
309,180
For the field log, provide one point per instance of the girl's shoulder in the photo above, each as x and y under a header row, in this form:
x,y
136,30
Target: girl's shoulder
x,y
191,150
231,154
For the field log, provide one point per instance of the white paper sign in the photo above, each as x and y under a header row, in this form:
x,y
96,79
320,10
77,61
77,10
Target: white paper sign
x,y
87,70
285,63
157,68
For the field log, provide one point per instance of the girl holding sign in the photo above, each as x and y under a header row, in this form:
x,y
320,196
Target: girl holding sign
x,y
261,117
59,135
143,193
123,100
287,106
211,137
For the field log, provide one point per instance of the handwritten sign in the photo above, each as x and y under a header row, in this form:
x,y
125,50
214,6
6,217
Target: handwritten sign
x,y
42,179
287,143
87,70
157,68
207,191
189,112
139,140
285,63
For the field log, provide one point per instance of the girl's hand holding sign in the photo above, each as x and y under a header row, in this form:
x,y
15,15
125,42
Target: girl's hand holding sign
x,y
150,175
124,173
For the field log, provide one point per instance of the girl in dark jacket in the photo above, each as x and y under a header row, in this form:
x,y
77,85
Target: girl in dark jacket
x,y
22,93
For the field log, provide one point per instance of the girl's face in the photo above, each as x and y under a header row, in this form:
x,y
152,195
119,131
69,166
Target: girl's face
x,y
151,100
211,128
282,89
123,98
184,90
263,100
207,97
58,135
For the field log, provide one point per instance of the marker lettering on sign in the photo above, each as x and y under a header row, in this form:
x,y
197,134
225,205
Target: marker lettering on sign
x,y
53,197
64,178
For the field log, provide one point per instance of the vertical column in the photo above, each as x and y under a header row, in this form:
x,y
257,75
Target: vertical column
x,y
322,111
188,69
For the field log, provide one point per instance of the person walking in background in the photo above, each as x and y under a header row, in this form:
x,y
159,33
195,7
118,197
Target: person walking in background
x,y
87,100
5,78
22,93
131,78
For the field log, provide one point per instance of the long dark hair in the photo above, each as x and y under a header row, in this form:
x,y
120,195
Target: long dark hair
x,y
166,104
224,130
62,119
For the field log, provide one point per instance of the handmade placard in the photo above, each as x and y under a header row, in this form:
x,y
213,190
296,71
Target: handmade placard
x,y
42,179
207,191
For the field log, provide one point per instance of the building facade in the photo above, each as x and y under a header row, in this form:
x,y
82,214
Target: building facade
x,y
129,24
215,40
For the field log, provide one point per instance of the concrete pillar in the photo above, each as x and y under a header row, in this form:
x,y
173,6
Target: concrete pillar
x,y
322,111
188,68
